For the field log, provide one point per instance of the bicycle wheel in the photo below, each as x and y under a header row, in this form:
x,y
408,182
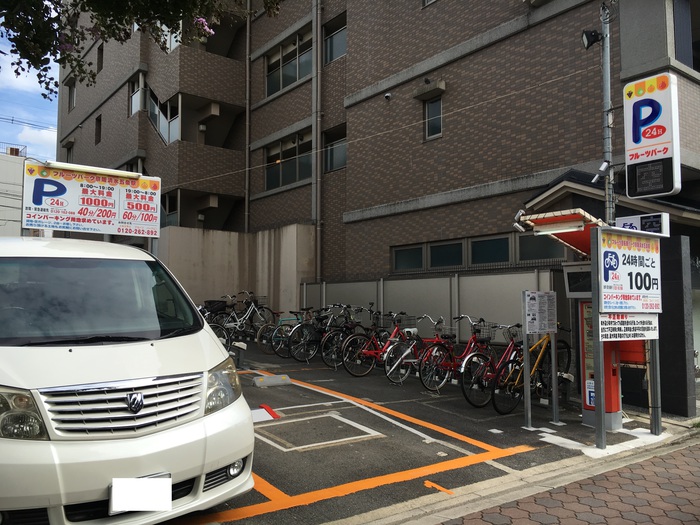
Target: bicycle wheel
x,y
221,334
280,340
435,367
331,348
507,387
563,361
397,362
358,359
257,319
303,342
476,379
264,338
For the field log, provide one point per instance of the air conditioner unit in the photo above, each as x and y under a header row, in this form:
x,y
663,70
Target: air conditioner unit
x,y
12,151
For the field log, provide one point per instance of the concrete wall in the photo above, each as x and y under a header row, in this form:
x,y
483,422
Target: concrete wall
x,y
212,263
11,174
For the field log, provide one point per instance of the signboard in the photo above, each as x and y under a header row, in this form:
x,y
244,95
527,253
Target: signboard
x,y
80,201
630,267
540,312
652,137
657,223
628,327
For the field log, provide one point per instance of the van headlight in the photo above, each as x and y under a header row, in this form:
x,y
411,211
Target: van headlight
x,y
19,416
223,386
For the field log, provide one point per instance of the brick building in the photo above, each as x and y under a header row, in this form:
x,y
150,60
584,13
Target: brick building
x,y
404,135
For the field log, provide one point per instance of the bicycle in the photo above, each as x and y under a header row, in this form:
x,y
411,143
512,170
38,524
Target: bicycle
x,y
402,357
440,361
479,369
332,341
361,352
305,338
509,384
249,322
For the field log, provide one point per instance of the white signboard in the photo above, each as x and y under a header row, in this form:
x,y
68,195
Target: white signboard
x,y
80,201
652,136
630,271
628,327
540,312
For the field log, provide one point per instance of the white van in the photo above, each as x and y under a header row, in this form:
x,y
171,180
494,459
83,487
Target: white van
x,y
117,402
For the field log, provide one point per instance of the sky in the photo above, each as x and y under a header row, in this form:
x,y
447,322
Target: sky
x,y
26,118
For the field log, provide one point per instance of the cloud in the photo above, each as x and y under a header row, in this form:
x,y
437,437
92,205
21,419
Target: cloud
x,y
41,144
25,82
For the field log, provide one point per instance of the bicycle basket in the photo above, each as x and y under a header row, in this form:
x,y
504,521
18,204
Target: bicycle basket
x,y
261,300
513,332
215,305
404,321
485,329
443,329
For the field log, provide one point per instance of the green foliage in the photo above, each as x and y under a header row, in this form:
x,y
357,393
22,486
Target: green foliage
x,y
42,31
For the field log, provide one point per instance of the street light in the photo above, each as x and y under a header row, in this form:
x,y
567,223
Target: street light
x,y
588,38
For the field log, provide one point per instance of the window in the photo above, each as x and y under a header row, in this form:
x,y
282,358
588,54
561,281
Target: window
x,y
288,161
100,57
449,254
335,149
433,118
410,258
69,153
533,247
98,129
489,251
335,44
71,95
289,62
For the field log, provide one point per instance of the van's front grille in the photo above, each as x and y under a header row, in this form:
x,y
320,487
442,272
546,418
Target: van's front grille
x,y
125,408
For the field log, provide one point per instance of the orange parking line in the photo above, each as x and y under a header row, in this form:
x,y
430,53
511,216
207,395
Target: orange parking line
x,y
287,502
267,489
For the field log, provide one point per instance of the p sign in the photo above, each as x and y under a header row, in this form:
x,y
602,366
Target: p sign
x,y
652,137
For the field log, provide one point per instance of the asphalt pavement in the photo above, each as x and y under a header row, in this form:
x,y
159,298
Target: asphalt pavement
x,y
565,478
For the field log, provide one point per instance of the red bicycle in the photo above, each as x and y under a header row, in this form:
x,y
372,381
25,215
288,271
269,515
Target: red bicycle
x,y
442,361
361,352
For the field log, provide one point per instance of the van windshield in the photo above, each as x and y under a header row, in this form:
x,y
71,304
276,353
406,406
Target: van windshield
x,y
89,301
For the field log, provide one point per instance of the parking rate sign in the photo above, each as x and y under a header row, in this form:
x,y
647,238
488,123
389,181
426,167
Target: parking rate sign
x,y
630,272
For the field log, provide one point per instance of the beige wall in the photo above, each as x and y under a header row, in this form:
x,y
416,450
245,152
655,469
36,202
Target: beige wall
x,y
212,263
11,176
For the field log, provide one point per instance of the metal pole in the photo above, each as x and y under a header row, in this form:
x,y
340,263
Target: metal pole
x,y
526,366
598,361
605,17
555,377
654,386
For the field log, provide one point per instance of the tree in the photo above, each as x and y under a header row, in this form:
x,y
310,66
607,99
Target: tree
x,y
42,31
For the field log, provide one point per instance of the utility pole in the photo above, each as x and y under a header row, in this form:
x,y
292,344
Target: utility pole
x,y
606,18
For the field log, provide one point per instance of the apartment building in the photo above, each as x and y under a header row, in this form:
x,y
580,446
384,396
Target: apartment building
x,y
349,142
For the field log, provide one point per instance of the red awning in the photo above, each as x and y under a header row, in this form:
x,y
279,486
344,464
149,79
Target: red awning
x,y
570,227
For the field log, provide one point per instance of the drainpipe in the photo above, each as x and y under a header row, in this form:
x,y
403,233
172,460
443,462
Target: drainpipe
x,y
246,220
316,102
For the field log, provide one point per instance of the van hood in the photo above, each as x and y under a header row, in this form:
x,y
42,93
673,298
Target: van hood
x,y
37,367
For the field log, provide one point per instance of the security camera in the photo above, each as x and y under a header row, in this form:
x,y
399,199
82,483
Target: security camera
x,y
387,96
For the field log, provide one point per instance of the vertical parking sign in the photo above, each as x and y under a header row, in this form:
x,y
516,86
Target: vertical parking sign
x,y
652,137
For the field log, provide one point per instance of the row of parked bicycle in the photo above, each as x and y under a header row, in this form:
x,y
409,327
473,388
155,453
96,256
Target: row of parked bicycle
x,y
485,371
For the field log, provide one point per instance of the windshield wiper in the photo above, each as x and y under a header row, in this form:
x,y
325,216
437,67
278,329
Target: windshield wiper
x,y
182,331
93,339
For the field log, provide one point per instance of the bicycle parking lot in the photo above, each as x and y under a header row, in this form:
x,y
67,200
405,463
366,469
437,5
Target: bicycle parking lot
x,y
330,446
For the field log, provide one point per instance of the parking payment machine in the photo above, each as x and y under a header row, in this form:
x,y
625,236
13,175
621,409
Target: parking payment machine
x,y
611,368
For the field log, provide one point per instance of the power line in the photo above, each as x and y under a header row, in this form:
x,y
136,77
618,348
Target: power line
x,y
27,123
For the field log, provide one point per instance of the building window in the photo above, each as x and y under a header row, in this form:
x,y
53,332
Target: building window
x,y
407,259
289,62
98,129
447,254
288,161
71,95
335,154
433,118
534,247
69,153
100,57
335,44
490,251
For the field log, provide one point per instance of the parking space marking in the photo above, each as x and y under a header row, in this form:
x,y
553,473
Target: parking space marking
x,y
279,500
274,441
